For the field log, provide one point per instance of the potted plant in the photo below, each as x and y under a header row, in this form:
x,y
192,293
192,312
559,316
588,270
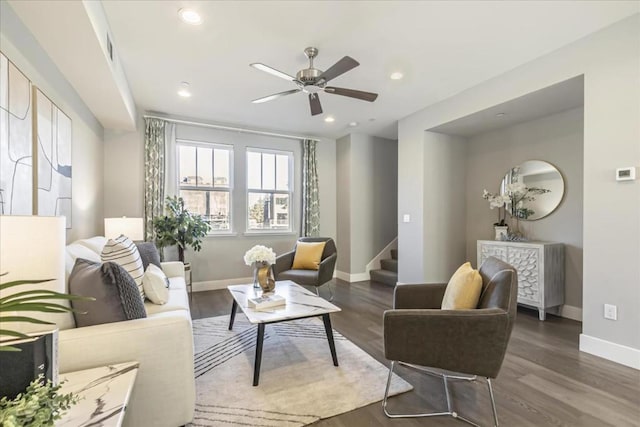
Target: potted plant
x,y
179,227
40,404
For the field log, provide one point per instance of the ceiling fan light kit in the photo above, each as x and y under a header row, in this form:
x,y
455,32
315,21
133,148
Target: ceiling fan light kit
x,y
312,81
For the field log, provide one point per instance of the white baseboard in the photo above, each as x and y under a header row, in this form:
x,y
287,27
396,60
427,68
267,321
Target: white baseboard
x,y
567,311
214,285
357,277
611,351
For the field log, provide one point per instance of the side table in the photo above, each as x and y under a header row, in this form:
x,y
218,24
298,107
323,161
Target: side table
x,y
104,394
187,279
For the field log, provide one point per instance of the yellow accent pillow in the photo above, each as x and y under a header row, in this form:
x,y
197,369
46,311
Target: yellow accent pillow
x,y
463,289
308,255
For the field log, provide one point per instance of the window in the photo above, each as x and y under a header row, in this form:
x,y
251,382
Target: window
x,y
269,189
204,173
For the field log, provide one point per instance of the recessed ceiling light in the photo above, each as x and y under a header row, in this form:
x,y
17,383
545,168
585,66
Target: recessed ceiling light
x,y
396,76
353,124
501,114
184,90
329,119
190,16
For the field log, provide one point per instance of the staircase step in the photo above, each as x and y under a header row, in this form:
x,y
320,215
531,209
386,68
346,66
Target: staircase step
x,y
394,254
389,264
384,276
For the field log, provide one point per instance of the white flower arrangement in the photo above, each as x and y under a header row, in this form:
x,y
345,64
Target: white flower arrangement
x,y
260,253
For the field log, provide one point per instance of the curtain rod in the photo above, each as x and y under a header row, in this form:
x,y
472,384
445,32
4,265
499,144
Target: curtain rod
x,y
229,128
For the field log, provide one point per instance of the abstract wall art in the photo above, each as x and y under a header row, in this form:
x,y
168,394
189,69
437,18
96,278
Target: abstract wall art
x,y
16,141
53,159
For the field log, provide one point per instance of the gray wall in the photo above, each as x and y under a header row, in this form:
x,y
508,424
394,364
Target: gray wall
x,y
221,256
609,61
557,139
19,45
367,196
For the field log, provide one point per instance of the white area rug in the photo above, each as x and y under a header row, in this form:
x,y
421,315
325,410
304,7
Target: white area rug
x,y
298,382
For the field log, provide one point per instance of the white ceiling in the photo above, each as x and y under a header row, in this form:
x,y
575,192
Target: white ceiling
x,y
441,47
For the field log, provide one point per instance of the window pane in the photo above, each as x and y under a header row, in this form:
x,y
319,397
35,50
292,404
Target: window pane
x,y
282,172
219,210
268,211
213,206
268,171
254,170
221,168
187,172
205,167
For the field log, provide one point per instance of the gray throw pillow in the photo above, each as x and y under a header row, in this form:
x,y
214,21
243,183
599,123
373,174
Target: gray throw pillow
x,y
115,291
149,254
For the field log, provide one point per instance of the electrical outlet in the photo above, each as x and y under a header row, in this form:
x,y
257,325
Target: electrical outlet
x,y
610,312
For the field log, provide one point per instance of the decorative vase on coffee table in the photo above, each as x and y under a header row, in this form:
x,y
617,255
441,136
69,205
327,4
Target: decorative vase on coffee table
x,y
501,231
263,276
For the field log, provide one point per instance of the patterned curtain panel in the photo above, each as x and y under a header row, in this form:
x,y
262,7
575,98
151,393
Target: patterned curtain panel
x,y
310,194
154,174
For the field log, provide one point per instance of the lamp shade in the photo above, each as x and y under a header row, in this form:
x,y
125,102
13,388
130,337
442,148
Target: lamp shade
x,y
32,248
131,227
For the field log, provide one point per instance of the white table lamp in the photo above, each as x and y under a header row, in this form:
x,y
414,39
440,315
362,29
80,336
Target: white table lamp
x,y
133,228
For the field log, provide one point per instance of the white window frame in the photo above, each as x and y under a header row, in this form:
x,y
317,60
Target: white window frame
x,y
230,149
289,192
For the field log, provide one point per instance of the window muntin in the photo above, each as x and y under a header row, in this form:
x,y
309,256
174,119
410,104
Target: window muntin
x,y
204,175
269,193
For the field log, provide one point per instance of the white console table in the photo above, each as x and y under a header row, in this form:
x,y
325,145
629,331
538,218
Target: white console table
x,y
540,267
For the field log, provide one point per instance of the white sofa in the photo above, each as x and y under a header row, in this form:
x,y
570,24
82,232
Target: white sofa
x,y
164,391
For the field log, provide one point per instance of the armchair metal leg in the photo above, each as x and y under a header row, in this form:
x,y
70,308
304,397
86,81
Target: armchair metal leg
x,y
450,409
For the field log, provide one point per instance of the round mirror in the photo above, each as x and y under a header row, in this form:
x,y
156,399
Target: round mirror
x,y
535,189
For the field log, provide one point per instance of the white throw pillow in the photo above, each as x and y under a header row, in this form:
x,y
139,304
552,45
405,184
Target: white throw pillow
x,y
125,253
154,282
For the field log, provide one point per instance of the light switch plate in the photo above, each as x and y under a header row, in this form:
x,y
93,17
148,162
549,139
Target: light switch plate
x,y
626,174
610,312
406,218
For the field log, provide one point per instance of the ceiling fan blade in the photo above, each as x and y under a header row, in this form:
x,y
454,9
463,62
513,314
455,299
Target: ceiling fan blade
x,y
314,103
274,96
345,64
260,66
352,93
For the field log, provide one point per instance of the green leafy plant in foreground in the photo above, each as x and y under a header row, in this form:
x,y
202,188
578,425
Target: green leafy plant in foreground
x,y
35,300
40,405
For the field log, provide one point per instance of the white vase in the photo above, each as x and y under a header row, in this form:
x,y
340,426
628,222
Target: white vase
x,y
501,230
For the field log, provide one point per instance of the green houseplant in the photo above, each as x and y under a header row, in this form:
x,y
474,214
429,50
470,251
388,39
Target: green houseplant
x,y
179,227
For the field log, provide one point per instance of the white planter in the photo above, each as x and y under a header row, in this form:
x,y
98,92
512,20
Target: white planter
x,y
501,230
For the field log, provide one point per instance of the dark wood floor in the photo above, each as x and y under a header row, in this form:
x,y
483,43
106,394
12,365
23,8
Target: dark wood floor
x,y
545,380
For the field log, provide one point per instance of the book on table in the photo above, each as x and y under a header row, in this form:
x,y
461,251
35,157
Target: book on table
x,y
266,301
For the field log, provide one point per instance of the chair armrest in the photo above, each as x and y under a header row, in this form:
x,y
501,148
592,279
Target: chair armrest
x,y
467,341
325,269
162,344
283,263
423,295
173,268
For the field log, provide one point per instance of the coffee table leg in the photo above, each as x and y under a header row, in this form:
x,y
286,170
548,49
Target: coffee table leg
x,y
329,331
256,367
234,307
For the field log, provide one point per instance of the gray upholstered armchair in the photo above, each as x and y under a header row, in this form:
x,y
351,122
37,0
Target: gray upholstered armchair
x,y
316,278
418,334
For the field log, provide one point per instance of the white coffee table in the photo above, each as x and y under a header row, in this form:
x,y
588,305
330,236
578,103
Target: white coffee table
x,y
300,304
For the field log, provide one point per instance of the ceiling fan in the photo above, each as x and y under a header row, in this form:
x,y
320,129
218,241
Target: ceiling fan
x,y
311,81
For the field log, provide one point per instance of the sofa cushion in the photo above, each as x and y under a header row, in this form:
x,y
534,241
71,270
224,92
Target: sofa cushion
x,y
95,243
463,289
155,282
124,252
148,254
177,300
308,255
116,293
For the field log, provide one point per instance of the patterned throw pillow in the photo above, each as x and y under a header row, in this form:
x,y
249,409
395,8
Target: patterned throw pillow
x,y
124,252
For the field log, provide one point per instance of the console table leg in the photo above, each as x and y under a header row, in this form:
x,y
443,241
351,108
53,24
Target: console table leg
x,y
234,307
256,367
542,315
332,344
